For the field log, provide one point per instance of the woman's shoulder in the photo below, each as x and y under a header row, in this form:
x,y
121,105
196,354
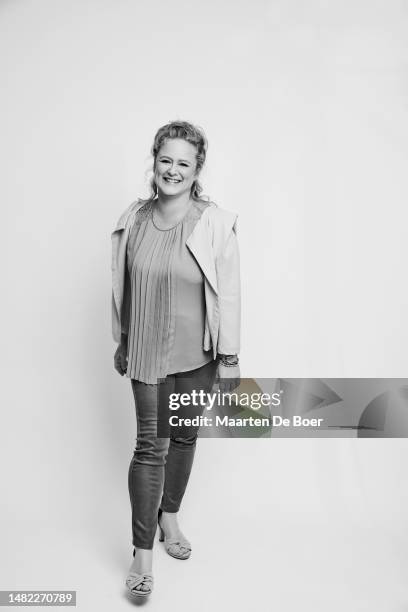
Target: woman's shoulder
x,y
219,223
221,217
132,209
214,210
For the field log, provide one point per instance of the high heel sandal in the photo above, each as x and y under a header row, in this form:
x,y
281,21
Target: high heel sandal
x,y
134,579
174,546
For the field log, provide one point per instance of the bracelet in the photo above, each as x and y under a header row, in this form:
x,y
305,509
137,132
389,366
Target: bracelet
x,y
229,360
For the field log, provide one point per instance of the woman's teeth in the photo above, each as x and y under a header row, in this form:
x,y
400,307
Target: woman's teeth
x,y
168,180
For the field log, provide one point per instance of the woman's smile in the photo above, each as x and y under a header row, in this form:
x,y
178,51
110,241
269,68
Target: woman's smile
x,y
171,180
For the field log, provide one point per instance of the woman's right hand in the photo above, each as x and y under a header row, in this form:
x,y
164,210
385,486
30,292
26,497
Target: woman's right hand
x,y
120,359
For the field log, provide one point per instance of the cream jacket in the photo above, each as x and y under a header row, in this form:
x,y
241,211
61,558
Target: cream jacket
x,y
213,242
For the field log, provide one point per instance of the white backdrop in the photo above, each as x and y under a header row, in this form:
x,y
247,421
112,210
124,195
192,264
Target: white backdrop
x,y
305,108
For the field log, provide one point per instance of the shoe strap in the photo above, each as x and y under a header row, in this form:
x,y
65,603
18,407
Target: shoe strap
x,y
179,541
134,579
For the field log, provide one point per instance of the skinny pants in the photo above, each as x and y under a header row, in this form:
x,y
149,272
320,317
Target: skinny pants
x,y
160,467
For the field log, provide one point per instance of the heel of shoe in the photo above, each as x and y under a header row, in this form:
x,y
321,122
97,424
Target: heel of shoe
x,y
161,534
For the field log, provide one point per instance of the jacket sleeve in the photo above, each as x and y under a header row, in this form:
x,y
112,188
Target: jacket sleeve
x,y
115,321
120,278
229,296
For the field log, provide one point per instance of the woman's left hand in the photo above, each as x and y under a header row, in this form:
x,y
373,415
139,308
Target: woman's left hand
x,y
228,377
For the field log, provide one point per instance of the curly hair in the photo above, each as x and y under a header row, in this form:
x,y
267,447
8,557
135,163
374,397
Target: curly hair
x,y
190,133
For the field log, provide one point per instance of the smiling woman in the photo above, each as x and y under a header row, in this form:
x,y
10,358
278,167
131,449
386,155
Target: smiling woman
x,y
176,317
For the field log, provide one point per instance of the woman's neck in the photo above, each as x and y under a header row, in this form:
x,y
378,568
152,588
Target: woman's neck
x,y
171,207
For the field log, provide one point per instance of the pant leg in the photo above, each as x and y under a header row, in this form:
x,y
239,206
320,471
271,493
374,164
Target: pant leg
x,y
146,470
182,448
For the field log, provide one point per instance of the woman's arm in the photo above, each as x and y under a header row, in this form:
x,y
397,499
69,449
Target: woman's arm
x,y
229,297
125,314
229,303
121,355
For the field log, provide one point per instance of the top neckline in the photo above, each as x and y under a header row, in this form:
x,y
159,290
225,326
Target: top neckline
x,y
167,229
144,214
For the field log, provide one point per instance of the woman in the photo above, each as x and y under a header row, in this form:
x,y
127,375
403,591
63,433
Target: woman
x,y
176,318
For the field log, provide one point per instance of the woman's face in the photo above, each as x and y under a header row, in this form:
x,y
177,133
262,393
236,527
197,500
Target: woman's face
x,y
175,166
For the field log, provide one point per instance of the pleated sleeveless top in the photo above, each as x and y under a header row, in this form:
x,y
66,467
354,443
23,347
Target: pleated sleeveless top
x,y
167,309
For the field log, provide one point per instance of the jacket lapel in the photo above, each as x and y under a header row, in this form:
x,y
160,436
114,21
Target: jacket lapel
x,y
119,239
199,243
205,243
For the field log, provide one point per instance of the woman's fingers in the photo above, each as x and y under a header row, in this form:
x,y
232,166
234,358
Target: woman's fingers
x,y
119,369
120,360
120,364
229,385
